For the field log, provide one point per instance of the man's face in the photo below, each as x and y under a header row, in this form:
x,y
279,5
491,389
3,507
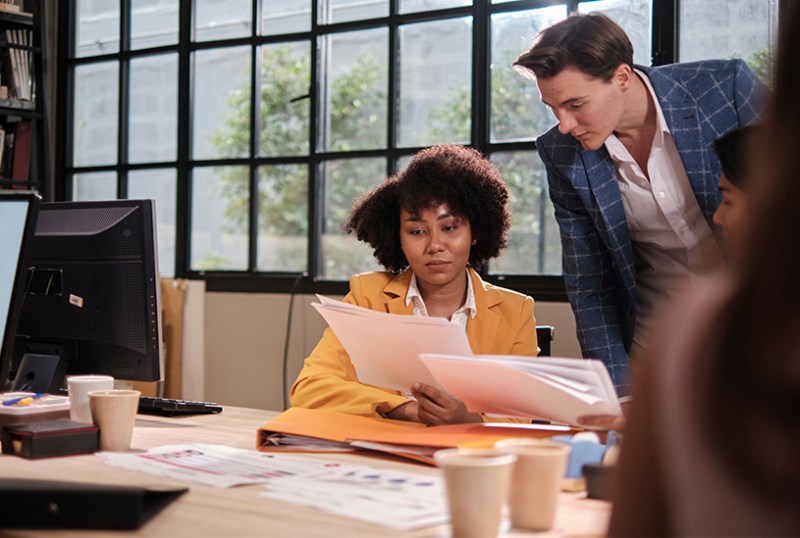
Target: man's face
x,y
588,108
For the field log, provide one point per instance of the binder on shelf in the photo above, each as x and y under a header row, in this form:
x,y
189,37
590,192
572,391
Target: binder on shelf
x,y
22,150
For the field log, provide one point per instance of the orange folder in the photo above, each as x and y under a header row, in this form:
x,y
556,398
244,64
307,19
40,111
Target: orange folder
x,y
395,437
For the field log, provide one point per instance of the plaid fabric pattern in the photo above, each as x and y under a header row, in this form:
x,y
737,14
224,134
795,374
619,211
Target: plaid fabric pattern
x,y
701,101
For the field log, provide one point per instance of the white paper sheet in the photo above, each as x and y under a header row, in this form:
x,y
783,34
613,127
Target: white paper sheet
x,y
385,348
396,499
498,385
216,465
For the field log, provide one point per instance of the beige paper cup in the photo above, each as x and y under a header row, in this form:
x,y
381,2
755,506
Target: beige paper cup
x,y
79,387
114,412
477,482
538,473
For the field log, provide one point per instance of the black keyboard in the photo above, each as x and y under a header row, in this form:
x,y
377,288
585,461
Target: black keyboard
x,y
168,407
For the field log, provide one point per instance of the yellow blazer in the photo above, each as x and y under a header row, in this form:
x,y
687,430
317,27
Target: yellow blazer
x,y
504,324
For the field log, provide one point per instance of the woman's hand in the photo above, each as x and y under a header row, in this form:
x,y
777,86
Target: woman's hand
x,y
435,407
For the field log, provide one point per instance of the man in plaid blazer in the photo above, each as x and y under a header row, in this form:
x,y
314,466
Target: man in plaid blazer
x,y
632,173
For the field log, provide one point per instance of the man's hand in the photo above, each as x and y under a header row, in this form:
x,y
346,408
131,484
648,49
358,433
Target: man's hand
x,y
603,422
607,422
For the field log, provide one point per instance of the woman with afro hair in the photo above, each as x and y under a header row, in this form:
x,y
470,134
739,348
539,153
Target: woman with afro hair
x,y
431,226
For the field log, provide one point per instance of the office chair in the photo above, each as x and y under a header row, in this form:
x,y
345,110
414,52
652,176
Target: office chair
x,y
544,335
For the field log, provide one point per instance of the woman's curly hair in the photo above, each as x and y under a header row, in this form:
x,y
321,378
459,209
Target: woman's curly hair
x,y
460,177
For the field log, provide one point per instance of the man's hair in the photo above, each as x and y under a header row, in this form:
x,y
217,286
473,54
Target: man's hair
x,y
591,43
460,177
734,150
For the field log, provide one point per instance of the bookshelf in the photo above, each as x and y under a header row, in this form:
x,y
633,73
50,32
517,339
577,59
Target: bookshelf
x,y
23,134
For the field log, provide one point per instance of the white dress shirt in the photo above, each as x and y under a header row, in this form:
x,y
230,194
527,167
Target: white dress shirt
x,y
459,317
666,225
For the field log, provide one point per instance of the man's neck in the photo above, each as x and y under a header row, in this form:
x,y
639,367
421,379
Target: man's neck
x,y
638,124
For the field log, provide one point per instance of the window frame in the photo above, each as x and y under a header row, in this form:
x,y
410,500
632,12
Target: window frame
x,y
542,287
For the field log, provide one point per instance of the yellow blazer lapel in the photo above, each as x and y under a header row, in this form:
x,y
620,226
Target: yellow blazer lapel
x,y
482,329
395,293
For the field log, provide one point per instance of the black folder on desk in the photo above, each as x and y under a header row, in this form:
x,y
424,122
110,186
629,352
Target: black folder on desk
x,y
49,504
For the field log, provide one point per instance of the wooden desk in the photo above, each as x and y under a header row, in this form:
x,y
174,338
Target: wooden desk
x,y
240,511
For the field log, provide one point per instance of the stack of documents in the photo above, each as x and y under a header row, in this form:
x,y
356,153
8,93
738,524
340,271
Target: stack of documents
x,y
396,351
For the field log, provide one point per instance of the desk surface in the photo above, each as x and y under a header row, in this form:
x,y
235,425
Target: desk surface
x,y
240,511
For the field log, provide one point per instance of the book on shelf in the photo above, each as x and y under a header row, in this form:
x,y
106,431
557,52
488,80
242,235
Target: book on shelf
x,y
23,137
8,154
10,6
2,147
17,71
395,351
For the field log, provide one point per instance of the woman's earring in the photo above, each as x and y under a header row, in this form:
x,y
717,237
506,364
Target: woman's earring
x,y
474,241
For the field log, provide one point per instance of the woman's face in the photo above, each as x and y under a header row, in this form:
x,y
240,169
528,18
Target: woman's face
x,y
732,215
437,245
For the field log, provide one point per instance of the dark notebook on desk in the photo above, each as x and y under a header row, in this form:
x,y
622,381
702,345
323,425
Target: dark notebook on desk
x,y
50,504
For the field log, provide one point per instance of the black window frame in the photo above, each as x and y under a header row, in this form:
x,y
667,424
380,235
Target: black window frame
x,y
542,287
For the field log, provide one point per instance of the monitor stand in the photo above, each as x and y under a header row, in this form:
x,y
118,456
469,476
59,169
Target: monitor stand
x,y
40,373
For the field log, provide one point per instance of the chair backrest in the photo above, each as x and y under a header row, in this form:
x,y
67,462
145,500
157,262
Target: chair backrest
x,y
544,335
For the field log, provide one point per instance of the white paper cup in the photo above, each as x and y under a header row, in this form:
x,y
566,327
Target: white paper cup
x,y
477,482
79,387
114,412
538,473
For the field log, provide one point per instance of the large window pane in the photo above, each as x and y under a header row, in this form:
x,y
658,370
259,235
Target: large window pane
x,y
285,16
97,27
221,104
220,201
153,134
96,110
435,82
222,20
534,244
332,11
517,111
94,186
285,107
283,218
410,6
153,23
159,185
723,29
355,91
345,181
635,17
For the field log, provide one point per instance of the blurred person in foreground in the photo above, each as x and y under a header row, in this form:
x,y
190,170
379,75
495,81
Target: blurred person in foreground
x,y
431,226
711,444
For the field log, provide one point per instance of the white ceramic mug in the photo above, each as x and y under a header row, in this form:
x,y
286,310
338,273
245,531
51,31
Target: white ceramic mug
x,y
79,387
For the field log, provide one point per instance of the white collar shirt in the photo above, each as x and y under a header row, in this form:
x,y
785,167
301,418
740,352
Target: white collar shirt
x,y
467,311
666,226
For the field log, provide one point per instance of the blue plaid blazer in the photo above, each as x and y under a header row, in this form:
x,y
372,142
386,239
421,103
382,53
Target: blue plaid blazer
x,y
701,101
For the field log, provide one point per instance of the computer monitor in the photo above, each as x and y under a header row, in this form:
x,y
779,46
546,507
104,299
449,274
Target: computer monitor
x,y
92,300
17,221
